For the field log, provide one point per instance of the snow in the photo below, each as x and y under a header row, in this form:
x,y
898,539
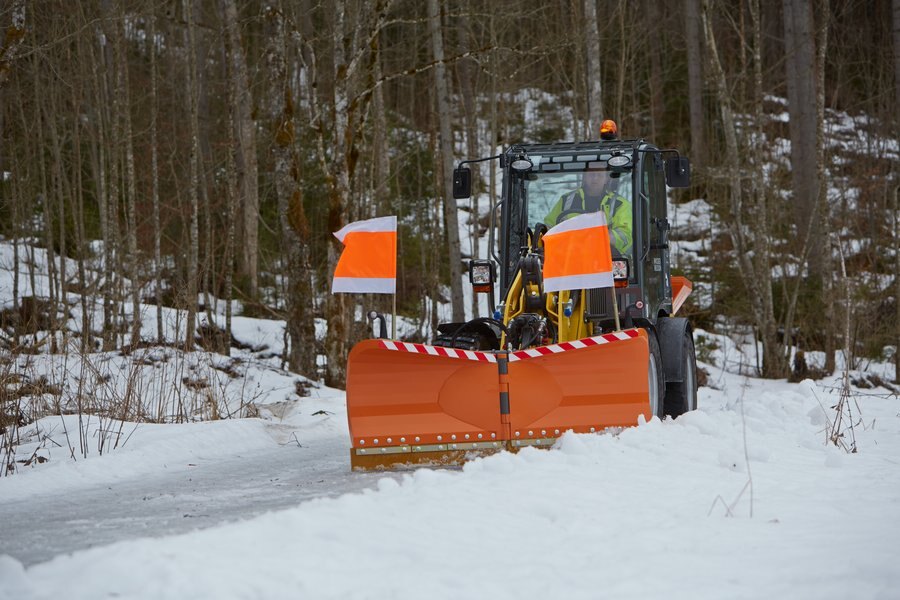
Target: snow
x,y
665,509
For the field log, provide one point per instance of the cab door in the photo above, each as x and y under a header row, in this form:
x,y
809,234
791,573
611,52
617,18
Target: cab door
x,y
655,227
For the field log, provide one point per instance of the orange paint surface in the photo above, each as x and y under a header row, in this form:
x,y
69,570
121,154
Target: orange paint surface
x,y
368,254
577,252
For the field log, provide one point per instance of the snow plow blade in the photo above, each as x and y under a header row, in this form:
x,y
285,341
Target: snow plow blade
x,y
410,404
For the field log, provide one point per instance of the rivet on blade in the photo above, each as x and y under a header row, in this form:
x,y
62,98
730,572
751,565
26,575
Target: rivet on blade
x,y
480,436
453,437
543,432
375,441
383,450
493,436
403,440
529,433
556,432
362,442
389,440
440,438
592,430
418,439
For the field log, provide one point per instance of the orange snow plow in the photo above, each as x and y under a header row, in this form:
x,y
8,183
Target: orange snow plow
x,y
411,404
579,348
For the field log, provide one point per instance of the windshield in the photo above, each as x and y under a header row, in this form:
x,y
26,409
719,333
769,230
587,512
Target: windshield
x,y
553,197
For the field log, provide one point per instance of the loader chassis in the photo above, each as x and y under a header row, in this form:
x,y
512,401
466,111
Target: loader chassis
x,y
539,370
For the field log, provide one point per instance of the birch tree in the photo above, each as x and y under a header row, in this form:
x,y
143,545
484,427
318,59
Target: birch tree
x,y
338,128
451,219
295,231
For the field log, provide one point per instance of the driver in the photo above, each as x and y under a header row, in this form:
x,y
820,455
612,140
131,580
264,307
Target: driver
x,y
598,191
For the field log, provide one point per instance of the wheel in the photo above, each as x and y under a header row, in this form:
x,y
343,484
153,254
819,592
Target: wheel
x,y
655,378
682,397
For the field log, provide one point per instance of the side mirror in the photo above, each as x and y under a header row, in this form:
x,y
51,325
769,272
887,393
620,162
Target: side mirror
x,y
462,183
678,172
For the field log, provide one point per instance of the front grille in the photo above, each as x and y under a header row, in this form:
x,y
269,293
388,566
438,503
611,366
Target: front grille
x,y
599,304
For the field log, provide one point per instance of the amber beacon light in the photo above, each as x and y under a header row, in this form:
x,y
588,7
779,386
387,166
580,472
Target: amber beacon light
x,y
609,130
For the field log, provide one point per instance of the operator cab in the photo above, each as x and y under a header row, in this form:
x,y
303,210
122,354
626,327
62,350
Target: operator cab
x,y
545,184
633,174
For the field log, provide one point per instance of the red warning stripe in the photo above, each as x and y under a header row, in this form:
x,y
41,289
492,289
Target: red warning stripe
x,y
513,356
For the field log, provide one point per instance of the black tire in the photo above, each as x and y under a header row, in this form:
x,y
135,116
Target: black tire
x,y
681,397
655,372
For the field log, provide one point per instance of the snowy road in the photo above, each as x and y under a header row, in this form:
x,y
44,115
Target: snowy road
x,y
178,499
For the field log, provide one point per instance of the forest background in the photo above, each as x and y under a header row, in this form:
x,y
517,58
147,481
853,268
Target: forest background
x,y
180,153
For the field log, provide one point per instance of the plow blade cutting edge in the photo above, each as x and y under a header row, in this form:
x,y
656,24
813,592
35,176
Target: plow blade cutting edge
x,y
416,404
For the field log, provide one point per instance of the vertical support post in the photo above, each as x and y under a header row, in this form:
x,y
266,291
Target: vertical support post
x,y
503,370
394,316
615,304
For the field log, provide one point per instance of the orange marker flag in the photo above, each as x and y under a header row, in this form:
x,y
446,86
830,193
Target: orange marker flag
x,y
577,254
368,263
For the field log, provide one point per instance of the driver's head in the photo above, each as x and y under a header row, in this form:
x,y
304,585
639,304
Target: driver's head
x,y
594,182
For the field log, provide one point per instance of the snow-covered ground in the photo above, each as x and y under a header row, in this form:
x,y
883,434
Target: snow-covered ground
x,y
740,499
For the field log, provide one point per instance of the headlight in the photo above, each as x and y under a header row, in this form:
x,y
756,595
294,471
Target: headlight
x,y
481,272
620,270
481,275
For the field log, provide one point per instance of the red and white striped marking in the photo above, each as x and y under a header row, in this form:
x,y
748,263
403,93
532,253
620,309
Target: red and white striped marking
x,y
440,351
575,345
513,356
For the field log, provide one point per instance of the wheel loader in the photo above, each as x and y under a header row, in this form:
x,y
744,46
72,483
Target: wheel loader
x,y
539,364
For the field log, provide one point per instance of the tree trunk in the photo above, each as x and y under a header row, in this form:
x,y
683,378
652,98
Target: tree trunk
x,y
194,184
656,42
123,106
46,211
231,192
245,159
467,71
294,224
592,56
154,180
695,83
61,187
827,278
451,218
621,75
337,173
78,215
897,193
800,73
